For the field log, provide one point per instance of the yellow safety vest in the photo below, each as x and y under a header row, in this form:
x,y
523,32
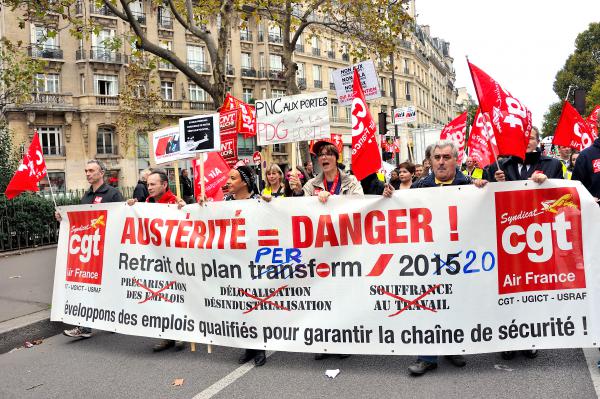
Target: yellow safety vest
x,y
477,173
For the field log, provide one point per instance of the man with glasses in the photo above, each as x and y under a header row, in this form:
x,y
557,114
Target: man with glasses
x,y
444,162
99,193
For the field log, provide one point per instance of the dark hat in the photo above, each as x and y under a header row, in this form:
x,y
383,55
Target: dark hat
x,y
321,143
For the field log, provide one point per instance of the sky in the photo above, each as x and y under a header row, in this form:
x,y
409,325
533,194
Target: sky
x,y
521,44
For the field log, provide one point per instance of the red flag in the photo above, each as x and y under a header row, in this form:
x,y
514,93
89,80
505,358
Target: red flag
x,y
482,143
31,170
246,123
216,172
366,158
396,146
455,132
592,120
572,131
510,119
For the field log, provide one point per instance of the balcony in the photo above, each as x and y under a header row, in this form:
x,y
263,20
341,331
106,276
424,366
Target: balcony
x,y
318,84
102,10
275,73
103,100
229,70
274,38
346,57
54,151
51,98
101,54
331,54
299,48
165,23
202,105
406,44
172,104
245,36
166,65
248,72
45,51
140,17
331,86
199,66
316,52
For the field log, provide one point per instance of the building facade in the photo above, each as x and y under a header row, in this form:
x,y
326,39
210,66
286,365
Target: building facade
x,y
76,103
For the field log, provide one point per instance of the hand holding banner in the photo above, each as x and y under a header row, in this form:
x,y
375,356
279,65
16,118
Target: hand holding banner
x,y
31,170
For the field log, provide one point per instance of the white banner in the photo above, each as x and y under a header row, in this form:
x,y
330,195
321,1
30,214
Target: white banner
x,y
342,78
405,115
430,271
302,117
166,145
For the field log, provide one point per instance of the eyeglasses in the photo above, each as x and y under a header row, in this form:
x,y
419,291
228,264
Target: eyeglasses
x,y
326,154
446,157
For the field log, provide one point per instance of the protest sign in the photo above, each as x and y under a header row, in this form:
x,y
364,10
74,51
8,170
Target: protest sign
x,y
166,145
426,271
406,114
200,133
290,119
342,79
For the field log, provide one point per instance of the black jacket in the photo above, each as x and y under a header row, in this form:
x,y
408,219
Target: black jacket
x,y
372,185
105,193
140,192
535,161
429,181
587,168
187,190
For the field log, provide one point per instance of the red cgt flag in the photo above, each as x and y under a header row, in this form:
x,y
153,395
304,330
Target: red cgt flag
x,y
592,120
246,122
455,132
216,172
31,170
482,143
366,158
572,130
510,119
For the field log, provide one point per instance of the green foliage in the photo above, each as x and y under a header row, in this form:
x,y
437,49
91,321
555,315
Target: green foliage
x,y
9,160
17,74
551,119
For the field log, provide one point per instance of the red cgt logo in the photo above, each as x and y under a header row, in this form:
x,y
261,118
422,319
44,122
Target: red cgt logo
x,y
539,240
86,246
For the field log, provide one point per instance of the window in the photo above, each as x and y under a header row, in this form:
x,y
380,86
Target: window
x,y
195,57
317,79
407,90
101,43
246,60
301,70
197,93
48,83
315,43
348,114
51,140
106,85
275,62
247,94
164,18
143,148
334,112
57,179
39,36
166,90
105,140
167,45
246,146
382,83
82,83
277,93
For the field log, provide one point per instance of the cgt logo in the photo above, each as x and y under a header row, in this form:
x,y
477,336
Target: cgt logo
x,y
86,246
539,240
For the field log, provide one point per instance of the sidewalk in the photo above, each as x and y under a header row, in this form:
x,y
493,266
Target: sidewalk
x,y
25,296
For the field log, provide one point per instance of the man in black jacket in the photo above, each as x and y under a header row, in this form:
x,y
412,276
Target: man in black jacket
x,y
140,193
587,169
187,189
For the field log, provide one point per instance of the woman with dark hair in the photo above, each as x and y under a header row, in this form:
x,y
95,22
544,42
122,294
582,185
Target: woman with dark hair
x,y
406,173
395,179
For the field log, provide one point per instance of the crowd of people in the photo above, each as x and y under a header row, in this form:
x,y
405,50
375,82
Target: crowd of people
x,y
439,169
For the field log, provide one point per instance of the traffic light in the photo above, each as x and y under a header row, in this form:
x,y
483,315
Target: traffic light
x,y
382,122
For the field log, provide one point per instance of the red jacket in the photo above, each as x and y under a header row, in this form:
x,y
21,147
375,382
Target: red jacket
x,y
167,198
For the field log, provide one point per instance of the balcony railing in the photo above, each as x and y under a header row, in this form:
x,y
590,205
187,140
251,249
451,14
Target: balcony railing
x,y
107,150
318,84
140,17
316,51
199,66
101,54
273,38
50,98
56,151
172,104
245,35
229,70
165,22
299,48
202,105
331,54
345,57
107,100
45,51
248,72
275,73
165,65
405,44
102,10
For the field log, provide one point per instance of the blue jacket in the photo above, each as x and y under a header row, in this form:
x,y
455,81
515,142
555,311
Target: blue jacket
x,y
587,168
429,181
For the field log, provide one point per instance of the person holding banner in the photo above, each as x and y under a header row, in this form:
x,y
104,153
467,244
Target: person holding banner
x,y
274,187
444,160
99,193
587,169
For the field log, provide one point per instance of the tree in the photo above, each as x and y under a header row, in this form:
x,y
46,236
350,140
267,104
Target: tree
x,y
581,69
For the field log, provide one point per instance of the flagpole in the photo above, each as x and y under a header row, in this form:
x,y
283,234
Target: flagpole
x,y
51,191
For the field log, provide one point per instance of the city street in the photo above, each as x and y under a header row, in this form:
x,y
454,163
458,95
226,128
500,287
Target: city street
x,y
114,365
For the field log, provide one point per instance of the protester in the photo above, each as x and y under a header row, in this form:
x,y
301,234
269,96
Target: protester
x,y
564,155
418,172
159,193
572,161
406,174
99,193
444,158
395,179
308,168
472,170
274,186
587,169
241,186
187,188
141,189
